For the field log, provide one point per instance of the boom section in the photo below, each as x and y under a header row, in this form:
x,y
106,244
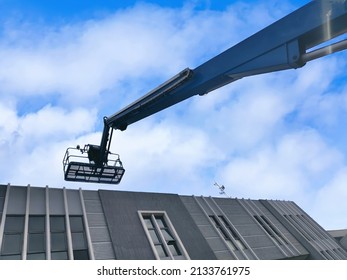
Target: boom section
x,y
282,45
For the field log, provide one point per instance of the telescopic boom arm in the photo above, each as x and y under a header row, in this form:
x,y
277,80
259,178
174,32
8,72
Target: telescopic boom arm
x,y
282,45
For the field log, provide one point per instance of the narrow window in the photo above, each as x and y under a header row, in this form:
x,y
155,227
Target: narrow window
x,y
222,231
237,239
270,229
158,244
168,237
278,234
36,238
13,238
58,238
162,236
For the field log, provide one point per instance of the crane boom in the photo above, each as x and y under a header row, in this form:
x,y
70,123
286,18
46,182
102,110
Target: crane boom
x,y
285,44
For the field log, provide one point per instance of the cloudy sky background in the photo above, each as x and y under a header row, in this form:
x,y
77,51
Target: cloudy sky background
x,y
276,136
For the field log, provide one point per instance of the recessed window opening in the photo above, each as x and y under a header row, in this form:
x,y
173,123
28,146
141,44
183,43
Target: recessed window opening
x,y
235,236
162,237
36,238
58,238
12,243
271,226
270,229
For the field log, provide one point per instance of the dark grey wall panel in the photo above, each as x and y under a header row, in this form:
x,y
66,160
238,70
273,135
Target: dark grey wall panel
x,y
207,207
257,241
93,206
2,201
37,201
230,206
208,231
224,255
93,195
17,201
99,234
103,251
217,244
3,190
192,207
240,219
201,220
56,202
74,202
250,230
96,220
127,234
270,253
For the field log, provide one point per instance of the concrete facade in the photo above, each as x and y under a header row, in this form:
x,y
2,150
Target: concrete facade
x,y
52,223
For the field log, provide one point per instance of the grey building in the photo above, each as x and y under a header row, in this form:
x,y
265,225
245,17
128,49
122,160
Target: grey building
x,y
52,223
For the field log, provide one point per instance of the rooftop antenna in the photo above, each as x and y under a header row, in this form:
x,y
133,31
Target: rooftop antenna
x,y
221,189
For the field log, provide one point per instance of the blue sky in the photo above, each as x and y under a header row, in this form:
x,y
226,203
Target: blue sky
x,y
66,64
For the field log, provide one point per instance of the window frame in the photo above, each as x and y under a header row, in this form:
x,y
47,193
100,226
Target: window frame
x,y
158,231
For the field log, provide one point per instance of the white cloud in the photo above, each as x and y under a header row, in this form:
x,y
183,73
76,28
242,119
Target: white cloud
x,y
289,169
87,58
329,205
322,103
32,142
80,61
250,117
8,120
44,125
166,157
